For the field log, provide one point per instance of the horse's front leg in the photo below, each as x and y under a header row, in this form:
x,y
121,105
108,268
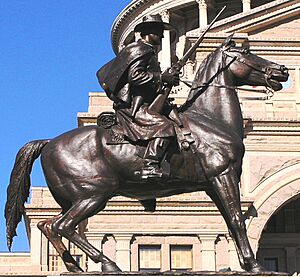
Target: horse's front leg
x,y
226,190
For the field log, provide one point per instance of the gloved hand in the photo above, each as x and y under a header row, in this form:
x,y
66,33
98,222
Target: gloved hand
x,y
170,76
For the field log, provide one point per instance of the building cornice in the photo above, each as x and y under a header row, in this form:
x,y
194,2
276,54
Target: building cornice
x,y
251,20
125,22
121,18
263,15
245,22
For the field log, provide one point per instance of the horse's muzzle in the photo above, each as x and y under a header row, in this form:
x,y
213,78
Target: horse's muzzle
x,y
276,75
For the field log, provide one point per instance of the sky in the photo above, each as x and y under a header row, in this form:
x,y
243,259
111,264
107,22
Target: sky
x,y
50,52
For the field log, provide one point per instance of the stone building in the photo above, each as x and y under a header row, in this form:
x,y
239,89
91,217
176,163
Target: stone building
x,y
187,232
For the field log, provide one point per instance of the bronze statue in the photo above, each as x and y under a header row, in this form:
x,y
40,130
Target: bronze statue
x,y
83,171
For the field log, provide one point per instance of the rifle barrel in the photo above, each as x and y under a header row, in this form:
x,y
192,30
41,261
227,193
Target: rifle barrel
x,y
187,55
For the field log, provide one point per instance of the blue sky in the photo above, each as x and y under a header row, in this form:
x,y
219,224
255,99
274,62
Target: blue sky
x,y
50,52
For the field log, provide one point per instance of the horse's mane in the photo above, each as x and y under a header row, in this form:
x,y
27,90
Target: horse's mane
x,y
208,70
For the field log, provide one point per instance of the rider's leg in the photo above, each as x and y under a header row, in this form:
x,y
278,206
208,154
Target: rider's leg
x,y
154,153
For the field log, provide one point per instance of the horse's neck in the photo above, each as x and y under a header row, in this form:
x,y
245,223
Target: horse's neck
x,y
221,104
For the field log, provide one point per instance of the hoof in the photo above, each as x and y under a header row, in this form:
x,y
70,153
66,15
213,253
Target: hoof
x,y
254,267
74,268
110,267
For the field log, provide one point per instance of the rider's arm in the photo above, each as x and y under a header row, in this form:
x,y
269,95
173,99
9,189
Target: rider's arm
x,y
140,75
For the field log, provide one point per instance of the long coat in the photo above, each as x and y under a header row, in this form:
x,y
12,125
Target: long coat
x,y
136,72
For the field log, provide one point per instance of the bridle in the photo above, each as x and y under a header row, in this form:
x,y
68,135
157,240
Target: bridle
x,y
268,92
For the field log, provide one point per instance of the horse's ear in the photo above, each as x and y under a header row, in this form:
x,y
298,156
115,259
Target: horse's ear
x,y
246,44
228,41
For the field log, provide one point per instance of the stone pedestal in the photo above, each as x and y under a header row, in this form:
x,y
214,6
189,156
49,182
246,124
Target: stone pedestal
x,y
123,251
208,251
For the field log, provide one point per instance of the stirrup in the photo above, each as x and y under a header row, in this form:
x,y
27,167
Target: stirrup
x,y
150,172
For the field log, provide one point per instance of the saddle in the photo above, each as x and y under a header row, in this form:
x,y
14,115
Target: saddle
x,y
114,135
108,121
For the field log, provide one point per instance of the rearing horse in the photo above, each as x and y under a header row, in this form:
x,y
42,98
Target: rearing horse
x,y
83,172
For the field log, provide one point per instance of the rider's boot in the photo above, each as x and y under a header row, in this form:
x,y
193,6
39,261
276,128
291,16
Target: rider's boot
x,y
154,153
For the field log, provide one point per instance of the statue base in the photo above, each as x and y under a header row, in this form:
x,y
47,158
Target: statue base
x,y
175,273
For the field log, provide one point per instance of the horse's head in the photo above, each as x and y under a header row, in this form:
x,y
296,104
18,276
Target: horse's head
x,y
249,69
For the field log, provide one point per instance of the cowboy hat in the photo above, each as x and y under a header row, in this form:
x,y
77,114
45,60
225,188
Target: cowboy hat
x,y
153,21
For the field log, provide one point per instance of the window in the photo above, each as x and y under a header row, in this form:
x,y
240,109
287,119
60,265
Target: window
x,y
271,264
77,255
181,257
149,258
55,262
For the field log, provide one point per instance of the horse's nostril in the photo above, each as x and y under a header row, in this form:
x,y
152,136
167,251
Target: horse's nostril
x,y
283,69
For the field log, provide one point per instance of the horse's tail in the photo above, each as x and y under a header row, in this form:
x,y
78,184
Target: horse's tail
x,y
19,185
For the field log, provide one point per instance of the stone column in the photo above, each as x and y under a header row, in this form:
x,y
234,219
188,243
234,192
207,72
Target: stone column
x,y
165,257
123,251
203,18
234,263
137,36
166,43
35,246
189,70
246,5
197,257
208,252
297,86
291,261
134,255
44,251
96,241
297,82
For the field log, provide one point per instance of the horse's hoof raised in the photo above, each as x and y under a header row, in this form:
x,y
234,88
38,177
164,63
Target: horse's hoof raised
x,y
110,267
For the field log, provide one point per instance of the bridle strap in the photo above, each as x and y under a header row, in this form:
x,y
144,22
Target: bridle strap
x,y
265,70
269,93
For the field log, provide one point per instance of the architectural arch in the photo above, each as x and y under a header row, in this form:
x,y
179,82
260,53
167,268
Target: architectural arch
x,y
276,190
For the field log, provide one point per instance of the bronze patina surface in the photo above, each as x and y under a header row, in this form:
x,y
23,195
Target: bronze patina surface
x,y
83,171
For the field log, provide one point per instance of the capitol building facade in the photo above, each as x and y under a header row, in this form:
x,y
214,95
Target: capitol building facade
x,y
186,232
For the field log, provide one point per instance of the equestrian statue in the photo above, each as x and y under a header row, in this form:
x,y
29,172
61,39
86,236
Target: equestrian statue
x,y
149,148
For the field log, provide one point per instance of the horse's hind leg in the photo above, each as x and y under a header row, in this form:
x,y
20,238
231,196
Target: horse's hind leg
x,y
66,227
226,189
46,228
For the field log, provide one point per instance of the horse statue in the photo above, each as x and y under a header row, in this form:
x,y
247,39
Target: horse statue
x,y
84,172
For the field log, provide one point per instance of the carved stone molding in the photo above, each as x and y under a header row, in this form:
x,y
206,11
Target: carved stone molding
x,y
202,3
165,15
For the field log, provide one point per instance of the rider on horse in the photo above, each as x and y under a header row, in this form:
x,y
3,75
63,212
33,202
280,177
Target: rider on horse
x,y
133,80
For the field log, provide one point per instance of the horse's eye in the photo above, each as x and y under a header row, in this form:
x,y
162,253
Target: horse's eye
x,y
246,51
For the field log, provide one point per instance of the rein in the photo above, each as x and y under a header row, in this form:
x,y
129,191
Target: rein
x,y
267,91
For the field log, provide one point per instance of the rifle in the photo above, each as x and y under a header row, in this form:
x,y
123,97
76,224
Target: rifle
x,y
158,104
